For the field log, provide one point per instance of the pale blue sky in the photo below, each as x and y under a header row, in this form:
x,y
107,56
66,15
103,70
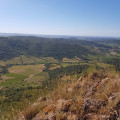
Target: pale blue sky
x,y
61,17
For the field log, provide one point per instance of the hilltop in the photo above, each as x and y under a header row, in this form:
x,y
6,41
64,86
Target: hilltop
x,y
93,96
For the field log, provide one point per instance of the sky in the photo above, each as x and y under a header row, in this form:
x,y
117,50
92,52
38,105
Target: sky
x,y
61,17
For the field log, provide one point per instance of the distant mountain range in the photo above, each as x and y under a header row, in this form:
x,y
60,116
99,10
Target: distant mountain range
x,y
59,36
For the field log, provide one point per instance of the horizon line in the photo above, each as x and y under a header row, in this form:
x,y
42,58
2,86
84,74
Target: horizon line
x,y
65,35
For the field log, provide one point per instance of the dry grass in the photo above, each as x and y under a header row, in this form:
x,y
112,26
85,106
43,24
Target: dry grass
x,y
106,89
108,84
59,93
30,112
65,90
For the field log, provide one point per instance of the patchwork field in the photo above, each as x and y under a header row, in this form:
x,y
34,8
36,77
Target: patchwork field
x,y
68,64
70,60
49,59
23,60
28,71
54,66
22,75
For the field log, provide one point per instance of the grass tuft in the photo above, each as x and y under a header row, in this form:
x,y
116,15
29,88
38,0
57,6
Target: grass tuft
x,y
30,112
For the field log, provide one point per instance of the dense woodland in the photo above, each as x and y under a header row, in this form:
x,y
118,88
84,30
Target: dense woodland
x,y
55,47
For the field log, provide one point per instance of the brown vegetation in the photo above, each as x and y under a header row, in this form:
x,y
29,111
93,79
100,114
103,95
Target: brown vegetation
x,y
93,96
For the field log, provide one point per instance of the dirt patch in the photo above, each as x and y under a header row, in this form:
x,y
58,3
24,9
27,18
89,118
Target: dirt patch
x,y
16,71
1,88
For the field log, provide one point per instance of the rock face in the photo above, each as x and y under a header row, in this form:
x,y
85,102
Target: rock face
x,y
64,105
89,106
92,116
114,99
49,113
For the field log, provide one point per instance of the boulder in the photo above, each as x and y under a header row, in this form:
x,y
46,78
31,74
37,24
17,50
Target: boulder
x,y
64,105
70,89
41,99
49,113
92,105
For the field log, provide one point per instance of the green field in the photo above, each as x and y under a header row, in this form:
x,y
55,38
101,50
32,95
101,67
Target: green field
x,y
15,81
23,75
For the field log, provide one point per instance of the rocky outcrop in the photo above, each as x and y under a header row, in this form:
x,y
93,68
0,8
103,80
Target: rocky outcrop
x,y
114,99
92,106
87,106
49,113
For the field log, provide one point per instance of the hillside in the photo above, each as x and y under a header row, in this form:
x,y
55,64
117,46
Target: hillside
x,y
93,96
56,71
58,48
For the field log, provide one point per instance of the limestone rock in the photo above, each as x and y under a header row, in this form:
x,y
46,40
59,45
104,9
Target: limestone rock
x,y
70,89
49,113
92,105
63,105
41,99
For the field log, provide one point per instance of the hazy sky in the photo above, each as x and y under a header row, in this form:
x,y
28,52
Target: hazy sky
x,y
61,17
